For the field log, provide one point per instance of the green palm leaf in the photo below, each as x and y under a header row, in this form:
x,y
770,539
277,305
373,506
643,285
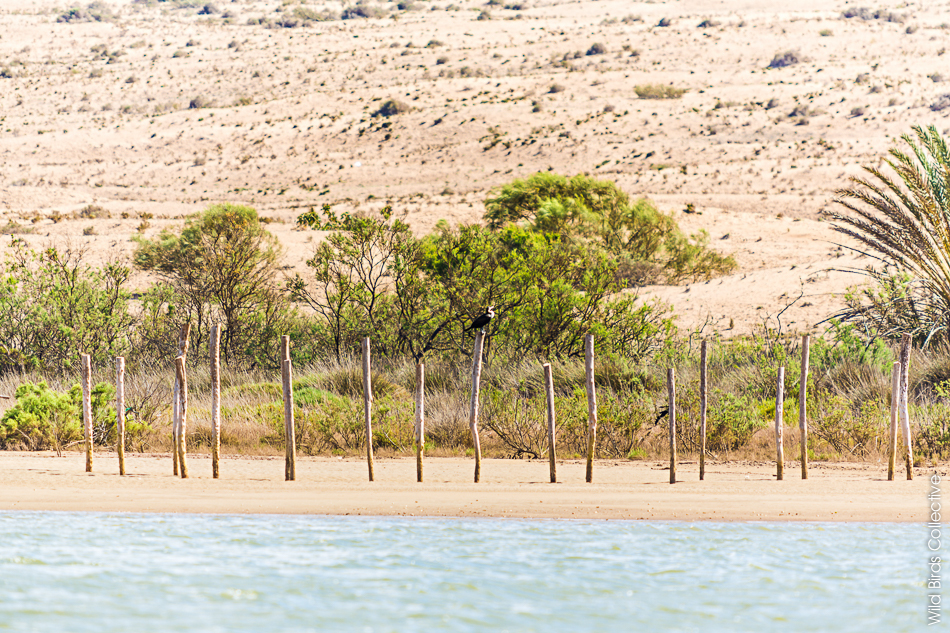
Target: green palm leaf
x,y
903,220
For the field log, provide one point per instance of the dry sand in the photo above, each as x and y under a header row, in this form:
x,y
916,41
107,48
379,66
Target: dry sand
x,y
509,488
98,113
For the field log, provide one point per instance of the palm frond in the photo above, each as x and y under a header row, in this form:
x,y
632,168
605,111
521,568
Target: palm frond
x,y
903,215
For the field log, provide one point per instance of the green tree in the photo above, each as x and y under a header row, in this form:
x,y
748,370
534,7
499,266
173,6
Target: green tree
x,y
902,220
412,296
598,212
224,267
368,282
548,292
54,307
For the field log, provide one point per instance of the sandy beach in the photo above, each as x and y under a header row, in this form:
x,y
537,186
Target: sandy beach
x,y
735,491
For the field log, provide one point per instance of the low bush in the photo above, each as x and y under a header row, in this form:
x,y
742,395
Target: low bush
x,y
391,107
43,419
93,12
788,58
658,91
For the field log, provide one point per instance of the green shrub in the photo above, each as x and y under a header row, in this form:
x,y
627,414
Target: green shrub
x,y
42,419
53,307
658,91
598,212
391,107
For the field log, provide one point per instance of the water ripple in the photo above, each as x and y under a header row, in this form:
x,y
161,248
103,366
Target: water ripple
x,y
122,572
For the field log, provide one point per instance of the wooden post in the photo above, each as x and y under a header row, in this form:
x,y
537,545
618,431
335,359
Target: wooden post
x,y
215,399
895,414
703,398
182,376
671,412
802,404
183,336
904,412
473,410
779,425
290,466
176,416
591,404
549,393
368,406
120,411
87,408
420,417
290,436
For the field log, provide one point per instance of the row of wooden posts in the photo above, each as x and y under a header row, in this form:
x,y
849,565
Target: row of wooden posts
x,y
899,410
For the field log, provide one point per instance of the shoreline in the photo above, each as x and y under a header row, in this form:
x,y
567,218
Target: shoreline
x,y
732,491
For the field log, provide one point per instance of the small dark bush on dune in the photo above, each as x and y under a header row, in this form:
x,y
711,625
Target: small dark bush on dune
x,y
391,107
597,49
93,212
942,103
658,91
360,11
94,12
788,58
863,13
199,102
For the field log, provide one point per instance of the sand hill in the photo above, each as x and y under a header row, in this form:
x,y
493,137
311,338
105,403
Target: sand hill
x,y
154,109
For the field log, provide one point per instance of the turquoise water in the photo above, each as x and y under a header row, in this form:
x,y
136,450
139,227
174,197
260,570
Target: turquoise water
x,y
129,572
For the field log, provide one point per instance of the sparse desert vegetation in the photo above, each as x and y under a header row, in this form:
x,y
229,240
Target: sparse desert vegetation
x,y
658,91
119,121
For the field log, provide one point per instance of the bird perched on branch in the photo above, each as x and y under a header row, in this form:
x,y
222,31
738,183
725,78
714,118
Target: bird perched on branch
x,y
482,321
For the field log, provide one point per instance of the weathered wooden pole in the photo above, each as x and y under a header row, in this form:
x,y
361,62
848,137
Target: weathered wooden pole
x,y
215,399
120,411
290,436
176,421
183,336
549,396
473,409
895,414
182,377
703,398
87,408
779,425
904,412
368,406
803,406
591,404
420,417
671,413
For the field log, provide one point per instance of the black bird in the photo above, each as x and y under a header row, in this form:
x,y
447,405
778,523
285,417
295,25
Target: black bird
x,y
482,321
663,413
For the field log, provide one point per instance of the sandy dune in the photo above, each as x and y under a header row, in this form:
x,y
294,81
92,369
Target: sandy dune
x,y
509,488
98,113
